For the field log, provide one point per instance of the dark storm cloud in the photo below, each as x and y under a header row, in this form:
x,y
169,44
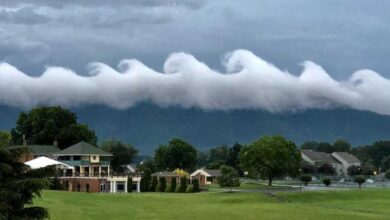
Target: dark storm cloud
x,y
342,36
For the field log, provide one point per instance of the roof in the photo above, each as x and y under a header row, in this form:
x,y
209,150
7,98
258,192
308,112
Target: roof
x,y
41,162
214,172
347,157
207,172
38,149
319,156
165,173
83,148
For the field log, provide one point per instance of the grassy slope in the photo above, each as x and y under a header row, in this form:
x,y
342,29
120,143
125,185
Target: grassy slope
x,y
354,204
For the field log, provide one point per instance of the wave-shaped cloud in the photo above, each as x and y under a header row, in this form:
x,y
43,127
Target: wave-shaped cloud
x,y
249,83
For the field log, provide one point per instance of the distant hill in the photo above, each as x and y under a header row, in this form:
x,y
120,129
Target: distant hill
x,y
146,126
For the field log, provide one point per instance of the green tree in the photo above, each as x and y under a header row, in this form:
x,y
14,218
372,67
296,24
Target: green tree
x,y
310,145
122,153
305,179
5,138
327,181
234,158
19,185
43,125
354,170
325,147
229,177
359,180
195,185
327,169
387,174
163,184
145,182
154,183
173,185
385,165
271,157
341,145
129,184
177,154
183,183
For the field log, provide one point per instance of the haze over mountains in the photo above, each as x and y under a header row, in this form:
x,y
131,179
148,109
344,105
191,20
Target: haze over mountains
x,y
146,125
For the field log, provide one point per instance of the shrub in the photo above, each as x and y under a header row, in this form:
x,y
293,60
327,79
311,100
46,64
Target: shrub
x,y
162,184
129,184
387,174
173,185
178,189
168,188
145,182
183,184
305,179
195,185
157,189
327,181
360,180
154,184
55,184
229,177
189,189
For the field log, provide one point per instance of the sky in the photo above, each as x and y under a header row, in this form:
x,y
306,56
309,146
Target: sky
x,y
268,54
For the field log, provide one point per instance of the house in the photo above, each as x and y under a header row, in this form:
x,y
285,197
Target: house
x,y
339,160
91,171
347,160
35,151
206,176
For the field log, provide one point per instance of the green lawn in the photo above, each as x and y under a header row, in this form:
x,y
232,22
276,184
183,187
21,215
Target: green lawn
x,y
352,204
250,186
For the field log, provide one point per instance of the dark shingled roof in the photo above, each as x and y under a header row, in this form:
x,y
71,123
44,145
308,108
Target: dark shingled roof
x,y
83,148
347,157
319,156
38,149
213,172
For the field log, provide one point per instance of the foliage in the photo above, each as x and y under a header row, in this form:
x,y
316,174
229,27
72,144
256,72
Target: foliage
x,y
19,185
122,153
43,125
387,174
373,154
229,177
327,181
154,183
359,180
305,179
55,184
163,184
270,157
183,183
145,182
234,158
195,185
129,184
385,164
341,145
307,167
5,138
177,154
326,168
178,189
180,172
173,184
169,188
354,170
189,189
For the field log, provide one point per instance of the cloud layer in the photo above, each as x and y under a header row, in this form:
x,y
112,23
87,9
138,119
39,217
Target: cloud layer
x,y
249,83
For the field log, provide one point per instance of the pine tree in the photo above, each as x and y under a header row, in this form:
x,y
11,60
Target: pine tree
x,y
19,185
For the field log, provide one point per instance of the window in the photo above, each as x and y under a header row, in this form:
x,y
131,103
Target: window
x,y
120,186
76,157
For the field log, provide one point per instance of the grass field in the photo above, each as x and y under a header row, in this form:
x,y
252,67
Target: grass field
x,y
351,204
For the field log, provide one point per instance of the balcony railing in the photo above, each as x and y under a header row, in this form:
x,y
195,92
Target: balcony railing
x,y
97,175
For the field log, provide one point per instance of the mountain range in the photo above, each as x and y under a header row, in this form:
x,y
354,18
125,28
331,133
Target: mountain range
x,y
146,126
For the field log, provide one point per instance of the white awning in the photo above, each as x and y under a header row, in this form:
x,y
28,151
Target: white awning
x,y
41,162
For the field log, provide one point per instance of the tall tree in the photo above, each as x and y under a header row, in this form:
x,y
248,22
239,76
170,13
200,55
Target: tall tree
x,y
19,185
177,154
5,138
310,145
341,145
271,157
122,153
43,125
234,157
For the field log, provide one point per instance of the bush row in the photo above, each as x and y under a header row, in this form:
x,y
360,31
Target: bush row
x,y
160,185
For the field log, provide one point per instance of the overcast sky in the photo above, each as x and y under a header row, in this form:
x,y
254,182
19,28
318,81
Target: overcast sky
x,y
341,36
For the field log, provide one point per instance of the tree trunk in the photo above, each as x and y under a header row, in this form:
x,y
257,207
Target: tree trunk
x,y
269,181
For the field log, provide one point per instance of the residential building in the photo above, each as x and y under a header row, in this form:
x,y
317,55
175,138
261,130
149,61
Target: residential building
x,y
206,176
34,151
347,160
